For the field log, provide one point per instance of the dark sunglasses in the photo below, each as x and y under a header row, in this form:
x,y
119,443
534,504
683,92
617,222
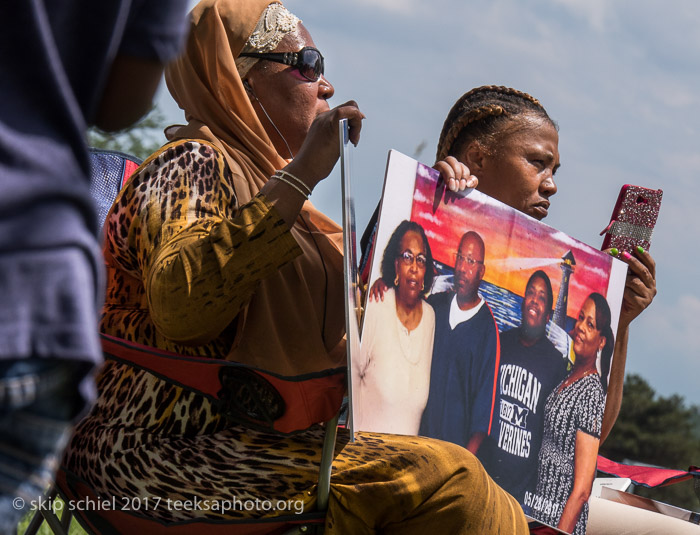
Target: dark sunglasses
x,y
308,61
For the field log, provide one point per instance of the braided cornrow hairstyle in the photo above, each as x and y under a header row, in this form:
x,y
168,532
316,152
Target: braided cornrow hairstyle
x,y
482,114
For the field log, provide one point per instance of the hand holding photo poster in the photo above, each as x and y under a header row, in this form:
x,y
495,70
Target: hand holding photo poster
x,y
493,331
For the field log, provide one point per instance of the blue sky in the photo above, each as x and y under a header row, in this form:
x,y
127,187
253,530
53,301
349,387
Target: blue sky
x,y
622,79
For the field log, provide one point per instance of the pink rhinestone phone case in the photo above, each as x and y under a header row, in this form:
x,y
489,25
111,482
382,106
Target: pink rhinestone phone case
x,y
633,218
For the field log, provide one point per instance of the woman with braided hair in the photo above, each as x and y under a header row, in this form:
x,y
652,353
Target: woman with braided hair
x,y
506,139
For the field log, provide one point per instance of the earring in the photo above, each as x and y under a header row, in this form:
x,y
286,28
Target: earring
x,y
422,286
396,280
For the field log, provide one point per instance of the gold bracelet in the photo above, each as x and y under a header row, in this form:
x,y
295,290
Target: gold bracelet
x,y
298,181
289,183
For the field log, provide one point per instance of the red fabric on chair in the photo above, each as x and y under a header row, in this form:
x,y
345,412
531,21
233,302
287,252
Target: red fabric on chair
x,y
309,399
647,476
129,167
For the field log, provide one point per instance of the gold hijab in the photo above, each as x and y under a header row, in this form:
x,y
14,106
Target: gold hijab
x,y
295,322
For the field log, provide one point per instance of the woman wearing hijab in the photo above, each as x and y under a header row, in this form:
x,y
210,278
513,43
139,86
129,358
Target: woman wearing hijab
x,y
214,251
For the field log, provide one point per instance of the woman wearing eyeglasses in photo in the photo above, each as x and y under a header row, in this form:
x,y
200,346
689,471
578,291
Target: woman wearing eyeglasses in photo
x,y
214,251
392,377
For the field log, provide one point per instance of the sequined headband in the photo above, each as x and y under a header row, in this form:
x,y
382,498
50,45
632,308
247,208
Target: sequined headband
x,y
274,23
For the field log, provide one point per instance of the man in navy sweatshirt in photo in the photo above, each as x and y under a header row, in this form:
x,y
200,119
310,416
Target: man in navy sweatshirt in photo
x,y
530,369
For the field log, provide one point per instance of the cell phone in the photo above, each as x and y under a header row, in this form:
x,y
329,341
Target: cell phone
x,y
633,219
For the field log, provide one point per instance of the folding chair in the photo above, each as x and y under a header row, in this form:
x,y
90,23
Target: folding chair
x,y
110,171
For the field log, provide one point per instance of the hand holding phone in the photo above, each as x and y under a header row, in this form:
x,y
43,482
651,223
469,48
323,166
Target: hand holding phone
x,y
633,219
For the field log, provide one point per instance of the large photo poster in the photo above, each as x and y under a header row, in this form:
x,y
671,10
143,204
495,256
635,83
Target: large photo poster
x,y
489,329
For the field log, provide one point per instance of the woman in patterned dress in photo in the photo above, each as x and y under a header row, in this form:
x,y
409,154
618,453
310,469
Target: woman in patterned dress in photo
x,y
573,420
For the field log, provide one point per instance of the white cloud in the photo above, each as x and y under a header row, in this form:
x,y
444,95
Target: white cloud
x,y
424,171
596,13
403,7
418,196
435,238
432,218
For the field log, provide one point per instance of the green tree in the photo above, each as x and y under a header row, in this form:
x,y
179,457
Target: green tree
x,y
141,139
657,430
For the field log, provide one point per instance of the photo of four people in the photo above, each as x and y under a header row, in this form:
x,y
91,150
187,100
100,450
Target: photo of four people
x,y
486,328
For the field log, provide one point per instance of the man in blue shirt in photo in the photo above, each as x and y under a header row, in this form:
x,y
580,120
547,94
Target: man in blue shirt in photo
x,y
465,355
